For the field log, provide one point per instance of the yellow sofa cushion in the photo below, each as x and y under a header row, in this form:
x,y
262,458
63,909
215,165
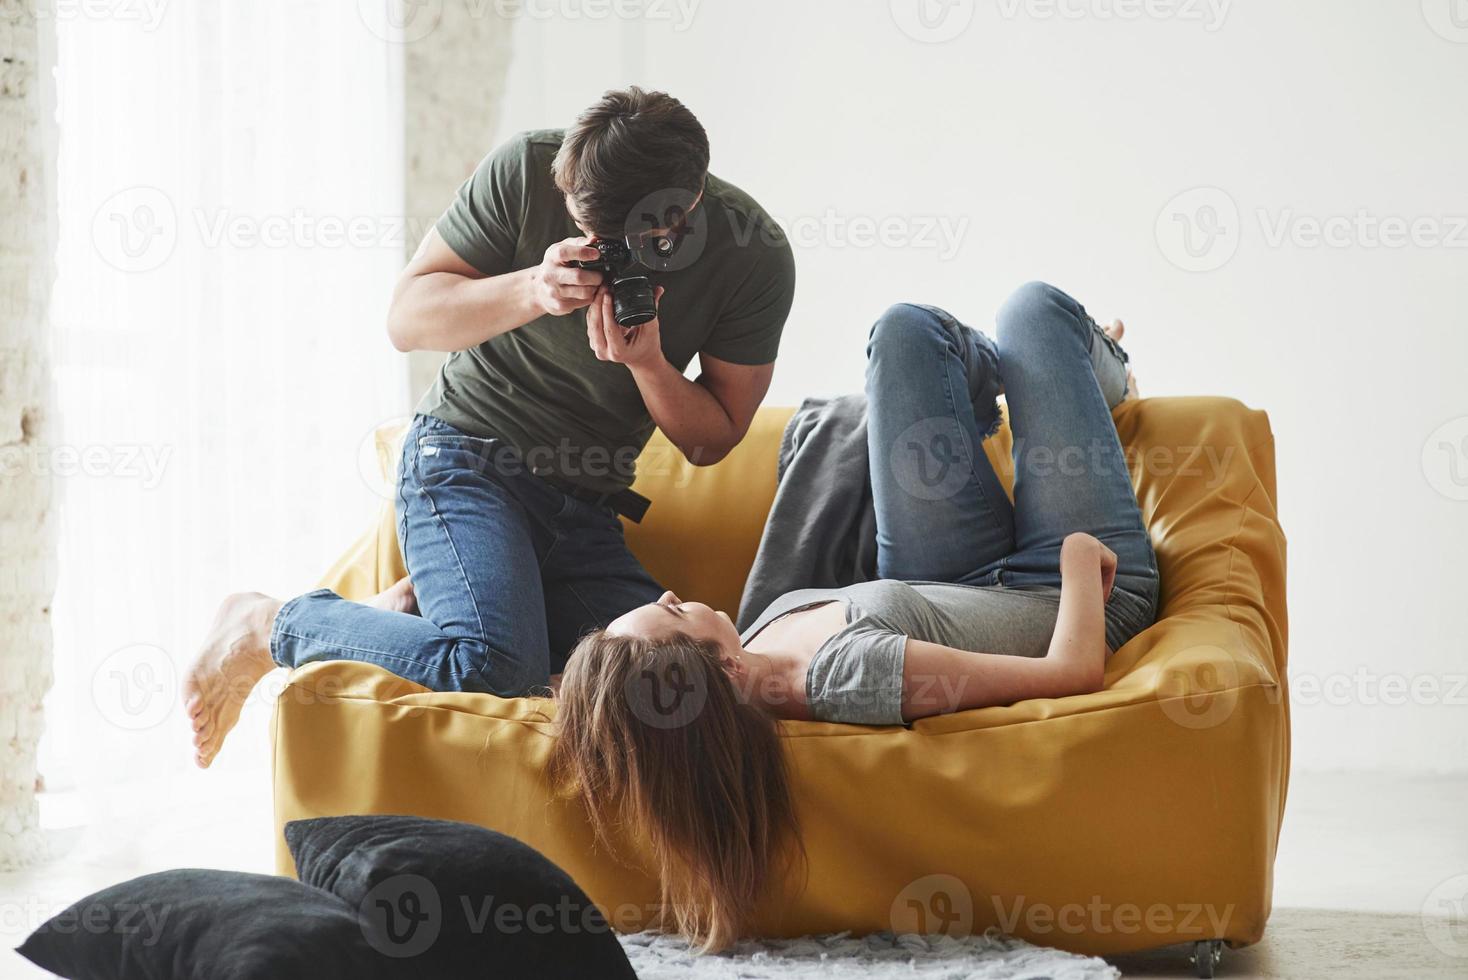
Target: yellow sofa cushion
x,y
1144,814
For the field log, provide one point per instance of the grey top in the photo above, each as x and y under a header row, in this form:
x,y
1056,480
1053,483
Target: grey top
x,y
856,675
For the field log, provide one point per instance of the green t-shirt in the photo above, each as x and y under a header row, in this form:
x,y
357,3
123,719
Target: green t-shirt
x,y
540,387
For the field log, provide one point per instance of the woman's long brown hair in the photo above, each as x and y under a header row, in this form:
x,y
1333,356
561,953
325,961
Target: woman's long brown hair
x,y
657,739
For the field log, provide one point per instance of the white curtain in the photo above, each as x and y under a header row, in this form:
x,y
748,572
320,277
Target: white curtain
x,y
231,197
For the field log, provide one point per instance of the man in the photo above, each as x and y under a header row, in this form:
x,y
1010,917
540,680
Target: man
x,y
520,459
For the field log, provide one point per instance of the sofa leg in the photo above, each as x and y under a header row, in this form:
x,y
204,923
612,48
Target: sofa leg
x,y
1206,955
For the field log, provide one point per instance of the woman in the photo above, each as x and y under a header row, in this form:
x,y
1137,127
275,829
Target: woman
x,y
667,716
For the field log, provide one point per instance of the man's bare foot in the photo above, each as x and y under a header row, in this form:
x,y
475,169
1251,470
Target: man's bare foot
x,y
1116,330
235,655
398,597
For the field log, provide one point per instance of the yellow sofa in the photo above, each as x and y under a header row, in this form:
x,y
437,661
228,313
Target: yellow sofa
x,y
1143,815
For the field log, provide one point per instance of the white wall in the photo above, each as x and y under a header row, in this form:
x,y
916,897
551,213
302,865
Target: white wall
x,y
1056,143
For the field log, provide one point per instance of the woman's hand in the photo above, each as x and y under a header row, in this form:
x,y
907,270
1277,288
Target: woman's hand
x,y
1094,550
1108,571
1078,647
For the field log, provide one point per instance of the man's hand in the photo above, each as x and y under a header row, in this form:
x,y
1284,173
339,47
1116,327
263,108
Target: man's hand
x,y
557,287
704,418
638,347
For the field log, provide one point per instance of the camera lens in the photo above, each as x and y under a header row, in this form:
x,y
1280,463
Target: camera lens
x,y
633,300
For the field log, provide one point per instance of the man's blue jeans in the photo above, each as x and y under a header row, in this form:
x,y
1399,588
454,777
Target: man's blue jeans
x,y
942,514
509,572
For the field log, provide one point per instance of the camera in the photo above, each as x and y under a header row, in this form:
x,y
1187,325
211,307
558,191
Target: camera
x,y
634,301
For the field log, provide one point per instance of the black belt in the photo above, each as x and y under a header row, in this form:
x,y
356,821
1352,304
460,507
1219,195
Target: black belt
x,y
629,503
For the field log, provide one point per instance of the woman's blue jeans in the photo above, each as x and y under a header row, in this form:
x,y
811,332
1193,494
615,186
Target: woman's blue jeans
x,y
942,514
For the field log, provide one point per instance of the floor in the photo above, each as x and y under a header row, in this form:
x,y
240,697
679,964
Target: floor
x,y
1360,859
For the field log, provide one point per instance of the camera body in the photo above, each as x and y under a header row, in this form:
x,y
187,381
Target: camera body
x,y
634,301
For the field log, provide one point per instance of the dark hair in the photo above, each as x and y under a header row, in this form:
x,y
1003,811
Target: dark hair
x,y
630,144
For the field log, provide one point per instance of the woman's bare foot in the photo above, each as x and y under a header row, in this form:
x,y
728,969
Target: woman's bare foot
x,y
398,597
1116,330
235,655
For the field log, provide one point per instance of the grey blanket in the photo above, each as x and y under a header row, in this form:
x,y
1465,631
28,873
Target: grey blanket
x,y
822,530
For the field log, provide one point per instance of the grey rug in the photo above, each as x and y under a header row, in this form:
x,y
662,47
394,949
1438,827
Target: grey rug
x,y
883,956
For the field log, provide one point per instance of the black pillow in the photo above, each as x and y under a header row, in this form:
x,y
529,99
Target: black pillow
x,y
455,900
207,925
